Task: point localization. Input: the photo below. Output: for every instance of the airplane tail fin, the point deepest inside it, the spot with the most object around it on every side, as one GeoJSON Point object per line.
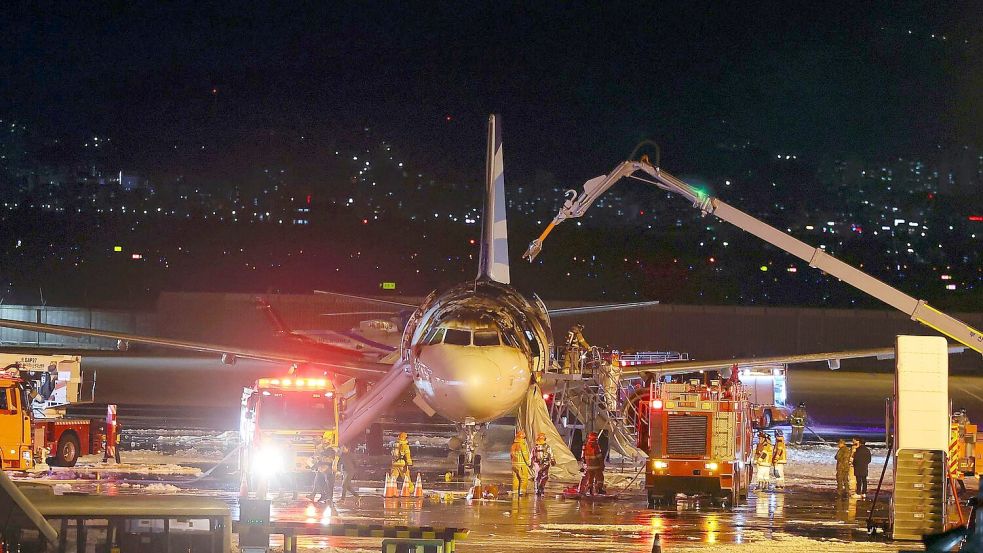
{"type": "Point", "coordinates": [280, 328]}
{"type": "Point", "coordinates": [494, 258]}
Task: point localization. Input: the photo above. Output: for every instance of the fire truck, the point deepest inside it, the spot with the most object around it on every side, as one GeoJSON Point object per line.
{"type": "Point", "coordinates": [698, 440]}
{"type": "Point", "coordinates": [34, 391]}
{"type": "Point", "coordinates": [281, 422]}
{"type": "Point", "coordinates": [767, 388]}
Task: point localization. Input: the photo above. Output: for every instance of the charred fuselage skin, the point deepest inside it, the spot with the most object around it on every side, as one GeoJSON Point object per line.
{"type": "Point", "coordinates": [475, 350]}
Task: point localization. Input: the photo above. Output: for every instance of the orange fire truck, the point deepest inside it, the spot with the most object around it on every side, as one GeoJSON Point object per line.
{"type": "Point", "coordinates": [698, 439]}
{"type": "Point", "coordinates": [33, 388]}
{"type": "Point", "coordinates": [281, 422]}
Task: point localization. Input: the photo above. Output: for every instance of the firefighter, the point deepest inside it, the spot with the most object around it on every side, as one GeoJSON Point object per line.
{"type": "Point", "coordinates": [843, 454]}
{"type": "Point", "coordinates": [798, 423]}
{"type": "Point", "coordinates": [519, 454]}
{"type": "Point", "coordinates": [762, 461]}
{"type": "Point", "coordinates": [346, 462]}
{"type": "Point", "coordinates": [324, 463]}
{"type": "Point", "coordinates": [575, 345]}
{"type": "Point", "coordinates": [402, 460]}
{"type": "Point", "coordinates": [542, 460]}
{"type": "Point", "coordinates": [779, 459]}
{"type": "Point", "coordinates": [593, 456]}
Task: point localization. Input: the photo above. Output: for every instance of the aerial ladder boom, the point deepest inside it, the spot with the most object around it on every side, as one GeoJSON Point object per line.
{"type": "Point", "coordinates": [576, 205]}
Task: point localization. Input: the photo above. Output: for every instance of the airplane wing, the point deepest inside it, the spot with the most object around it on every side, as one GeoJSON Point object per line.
{"type": "Point", "coordinates": [363, 298]}
{"type": "Point", "coordinates": [560, 312]}
{"type": "Point", "coordinates": [351, 367]}
{"type": "Point", "coordinates": [833, 358]}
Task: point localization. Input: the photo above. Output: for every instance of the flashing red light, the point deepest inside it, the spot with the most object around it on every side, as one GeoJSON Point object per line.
{"type": "Point", "coordinates": [977, 218]}
{"type": "Point", "coordinates": [713, 260]}
{"type": "Point", "coordinates": [931, 196]}
{"type": "Point", "coordinates": [365, 221]}
{"type": "Point", "coordinates": [472, 241]}
{"type": "Point", "coordinates": [308, 199]}
{"type": "Point", "coordinates": [448, 118]}
{"type": "Point", "coordinates": [656, 404]}
{"type": "Point", "coordinates": [546, 397]}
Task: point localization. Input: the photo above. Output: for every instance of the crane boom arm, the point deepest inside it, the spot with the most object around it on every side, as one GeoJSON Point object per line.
{"type": "Point", "coordinates": [917, 309]}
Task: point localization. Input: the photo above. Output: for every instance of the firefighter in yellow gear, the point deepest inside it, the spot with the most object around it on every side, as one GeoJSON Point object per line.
{"type": "Point", "coordinates": [576, 344]}
{"type": "Point", "coordinates": [779, 459]}
{"type": "Point", "coordinates": [520, 464]}
{"type": "Point", "coordinates": [402, 461]}
{"type": "Point", "coordinates": [762, 461]}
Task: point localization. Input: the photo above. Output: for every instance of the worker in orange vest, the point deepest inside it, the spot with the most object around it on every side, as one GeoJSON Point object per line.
{"type": "Point", "coordinates": [519, 454]}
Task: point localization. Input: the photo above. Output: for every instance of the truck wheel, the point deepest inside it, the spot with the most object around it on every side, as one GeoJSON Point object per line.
{"type": "Point", "coordinates": [460, 465]}
{"type": "Point", "coordinates": [766, 419]}
{"type": "Point", "coordinates": [651, 498]}
{"type": "Point", "coordinates": [68, 450]}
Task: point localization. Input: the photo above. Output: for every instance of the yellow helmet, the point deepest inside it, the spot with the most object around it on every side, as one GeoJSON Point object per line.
{"type": "Point", "coordinates": [541, 438]}
{"type": "Point", "coordinates": [328, 436]}
{"type": "Point", "coordinates": [520, 435]}
{"type": "Point", "coordinates": [402, 436]}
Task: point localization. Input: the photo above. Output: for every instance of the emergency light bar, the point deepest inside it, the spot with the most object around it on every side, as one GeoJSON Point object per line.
{"type": "Point", "coordinates": [296, 383]}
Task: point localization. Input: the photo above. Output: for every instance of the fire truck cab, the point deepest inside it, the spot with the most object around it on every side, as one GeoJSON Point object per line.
{"type": "Point", "coordinates": [698, 439]}
{"type": "Point", "coordinates": [34, 390]}
{"type": "Point", "coordinates": [282, 420]}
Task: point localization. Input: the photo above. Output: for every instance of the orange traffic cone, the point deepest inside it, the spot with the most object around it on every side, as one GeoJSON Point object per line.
{"type": "Point", "coordinates": [390, 486]}
{"type": "Point", "coordinates": [418, 490]}
{"type": "Point", "coordinates": [475, 491]}
{"type": "Point", "coordinates": [405, 490]}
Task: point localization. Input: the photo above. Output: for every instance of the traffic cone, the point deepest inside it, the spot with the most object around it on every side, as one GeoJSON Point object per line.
{"type": "Point", "coordinates": [405, 490]}
{"type": "Point", "coordinates": [475, 491]}
{"type": "Point", "coordinates": [418, 490]}
{"type": "Point", "coordinates": [390, 486]}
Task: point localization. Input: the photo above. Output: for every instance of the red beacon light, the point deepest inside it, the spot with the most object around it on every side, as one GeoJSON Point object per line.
{"type": "Point", "coordinates": [656, 404]}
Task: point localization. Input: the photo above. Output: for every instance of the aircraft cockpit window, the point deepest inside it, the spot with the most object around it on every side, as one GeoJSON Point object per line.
{"type": "Point", "coordinates": [434, 336]}
{"type": "Point", "coordinates": [457, 337]}
{"type": "Point", "coordinates": [486, 338]}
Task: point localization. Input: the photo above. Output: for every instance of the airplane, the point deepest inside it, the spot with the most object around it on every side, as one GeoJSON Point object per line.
{"type": "Point", "coordinates": [373, 339]}
{"type": "Point", "coordinates": [473, 353]}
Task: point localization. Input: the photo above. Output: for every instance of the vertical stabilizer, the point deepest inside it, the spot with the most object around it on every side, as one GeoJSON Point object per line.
{"type": "Point", "coordinates": [494, 259]}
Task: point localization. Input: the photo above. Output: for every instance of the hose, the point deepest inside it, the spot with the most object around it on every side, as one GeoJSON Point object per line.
{"type": "Point", "coordinates": [198, 478]}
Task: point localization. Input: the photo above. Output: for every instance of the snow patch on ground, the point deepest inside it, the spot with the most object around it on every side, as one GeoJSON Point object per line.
{"type": "Point", "coordinates": [814, 466]}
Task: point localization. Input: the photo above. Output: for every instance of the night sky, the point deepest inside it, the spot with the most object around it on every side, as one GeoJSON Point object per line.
{"type": "Point", "coordinates": [577, 86]}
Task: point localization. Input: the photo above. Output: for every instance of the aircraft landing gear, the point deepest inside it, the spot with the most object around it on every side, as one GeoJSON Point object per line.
{"type": "Point", "coordinates": [468, 461]}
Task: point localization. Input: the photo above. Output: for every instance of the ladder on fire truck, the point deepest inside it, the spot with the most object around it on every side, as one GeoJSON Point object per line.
{"type": "Point", "coordinates": [594, 397]}
{"type": "Point", "coordinates": [917, 309]}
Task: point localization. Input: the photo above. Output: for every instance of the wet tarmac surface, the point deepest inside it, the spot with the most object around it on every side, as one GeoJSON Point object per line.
{"type": "Point", "coordinates": [802, 518]}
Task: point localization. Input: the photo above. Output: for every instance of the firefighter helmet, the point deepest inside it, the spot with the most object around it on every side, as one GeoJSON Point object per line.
{"type": "Point", "coordinates": [541, 438]}
{"type": "Point", "coordinates": [402, 436]}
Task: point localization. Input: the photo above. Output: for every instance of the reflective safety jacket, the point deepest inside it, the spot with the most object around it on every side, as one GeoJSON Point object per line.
{"type": "Point", "coordinates": [780, 456]}
{"type": "Point", "coordinates": [593, 456]}
{"type": "Point", "coordinates": [542, 455]}
{"type": "Point", "coordinates": [576, 338]}
{"type": "Point", "coordinates": [799, 416]}
{"type": "Point", "coordinates": [519, 453]}
{"type": "Point", "coordinates": [764, 456]}
{"type": "Point", "coordinates": [401, 454]}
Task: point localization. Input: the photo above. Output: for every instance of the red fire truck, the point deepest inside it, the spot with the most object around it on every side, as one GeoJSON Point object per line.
{"type": "Point", "coordinates": [698, 439]}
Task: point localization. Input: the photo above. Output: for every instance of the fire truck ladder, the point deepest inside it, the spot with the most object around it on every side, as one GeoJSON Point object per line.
{"type": "Point", "coordinates": [917, 309]}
